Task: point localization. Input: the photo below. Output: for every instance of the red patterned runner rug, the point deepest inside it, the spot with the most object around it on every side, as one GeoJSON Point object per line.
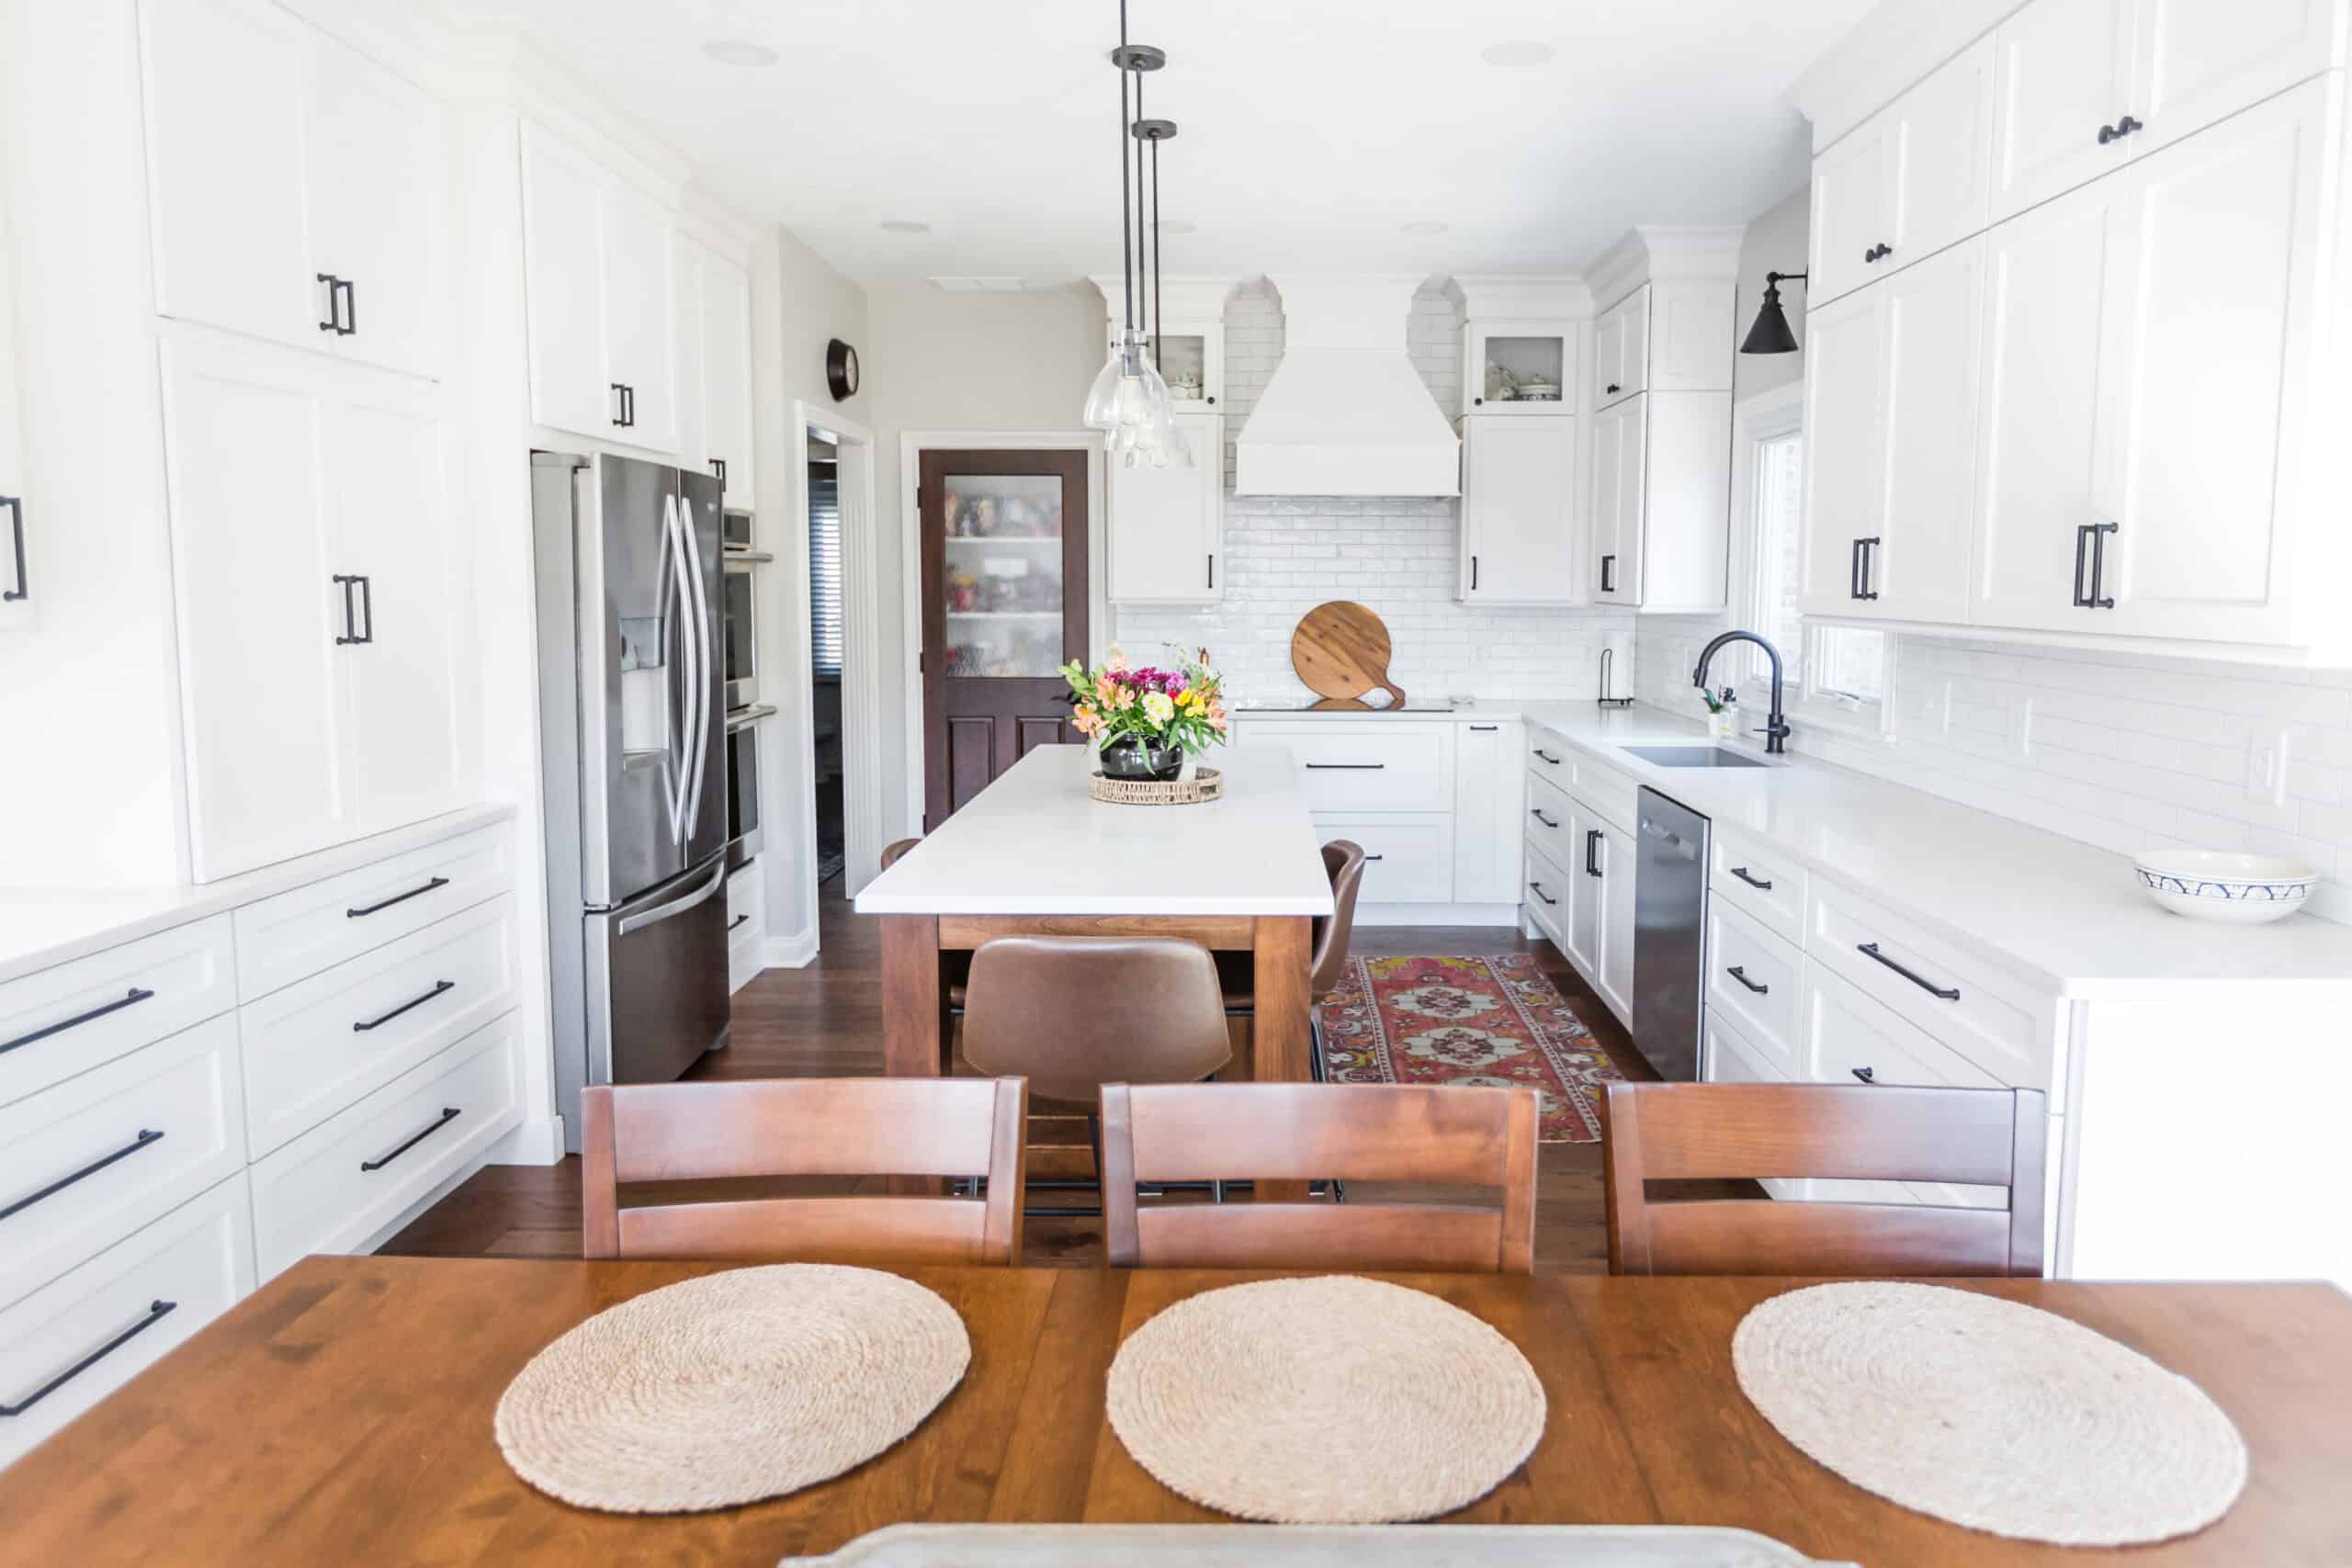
{"type": "Point", "coordinates": [1468, 1020]}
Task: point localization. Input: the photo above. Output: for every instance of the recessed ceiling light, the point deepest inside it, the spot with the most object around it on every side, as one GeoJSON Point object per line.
{"type": "Point", "coordinates": [1425, 226]}
{"type": "Point", "coordinates": [739, 51]}
{"type": "Point", "coordinates": [1177, 226]}
{"type": "Point", "coordinates": [905, 226]}
{"type": "Point", "coordinates": [1517, 51]}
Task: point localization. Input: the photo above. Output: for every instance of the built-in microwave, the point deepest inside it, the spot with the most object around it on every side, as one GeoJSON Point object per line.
{"type": "Point", "coordinates": [743, 639]}
{"type": "Point", "coordinates": [735, 529]}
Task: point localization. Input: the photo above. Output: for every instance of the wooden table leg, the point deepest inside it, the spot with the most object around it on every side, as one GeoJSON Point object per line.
{"type": "Point", "coordinates": [1280, 1033]}
{"type": "Point", "coordinates": [911, 1015]}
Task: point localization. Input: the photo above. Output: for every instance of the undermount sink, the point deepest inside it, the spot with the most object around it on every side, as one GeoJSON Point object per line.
{"type": "Point", "coordinates": [1695, 757]}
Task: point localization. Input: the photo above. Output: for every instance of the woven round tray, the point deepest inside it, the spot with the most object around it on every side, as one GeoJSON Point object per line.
{"type": "Point", "coordinates": [1989, 1414]}
{"type": "Point", "coordinates": [730, 1388]}
{"type": "Point", "coordinates": [1324, 1401]}
{"type": "Point", "coordinates": [1202, 784]}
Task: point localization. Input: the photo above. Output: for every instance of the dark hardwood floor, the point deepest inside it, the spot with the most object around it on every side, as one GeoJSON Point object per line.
{"type": "Point", "coordinates": [826, 1020]}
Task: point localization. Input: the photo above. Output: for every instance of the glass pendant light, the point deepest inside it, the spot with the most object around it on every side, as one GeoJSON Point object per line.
{"type": "Point", "coordinates": [1128, 400]}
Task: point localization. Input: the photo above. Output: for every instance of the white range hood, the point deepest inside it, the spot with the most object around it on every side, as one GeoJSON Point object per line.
{"type": "Point", "coordinates": [1346, 414]}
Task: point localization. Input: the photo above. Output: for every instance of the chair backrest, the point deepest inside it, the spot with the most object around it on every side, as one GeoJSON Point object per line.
{"type": "Point", "coordinates": [1464, 1136]}
{"type": "Point", "coordinates": [1655, 1131]}
{"type": "Point", "coordinates": [1072, 1013]}
{"type": "Point", "coordinates": [1343, 860]}
{"type": "Point", "coordinates": [695, 1132]}
{"type": "Point", "coordinates": [891, 856]}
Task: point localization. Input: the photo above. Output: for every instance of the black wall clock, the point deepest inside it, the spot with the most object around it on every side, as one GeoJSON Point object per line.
{"type": "Point", "coordinates": [841, 370]}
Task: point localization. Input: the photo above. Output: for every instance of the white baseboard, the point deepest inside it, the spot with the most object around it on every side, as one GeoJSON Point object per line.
{"type": "Point", "coordinates": [792, 951]}
{"type": "Point", "coordinates": [535, 1140]}
{"type": "Point", "coordinates": [1436, 914]}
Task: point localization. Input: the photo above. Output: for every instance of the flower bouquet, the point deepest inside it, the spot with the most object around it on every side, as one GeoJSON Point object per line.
{"type": "Point", "coordinates": [1146, 720]}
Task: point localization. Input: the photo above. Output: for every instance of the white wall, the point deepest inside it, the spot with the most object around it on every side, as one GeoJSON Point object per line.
{"type": "Point", "coordinates": [1775, 242]}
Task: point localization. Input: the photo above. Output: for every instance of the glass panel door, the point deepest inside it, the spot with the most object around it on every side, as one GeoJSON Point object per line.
{"type": "Point", "coordinates": [1003, 582]}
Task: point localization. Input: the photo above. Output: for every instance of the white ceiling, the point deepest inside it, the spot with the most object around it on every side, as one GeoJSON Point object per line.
{"type": "Point", "coordinates": [1310, 133]}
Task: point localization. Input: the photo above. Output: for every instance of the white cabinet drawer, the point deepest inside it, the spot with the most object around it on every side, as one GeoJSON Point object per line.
{"type": "Point", "coordinates": [320, 1043]}
{"type": "Point", "coordinates": [129, 1306]}
{"type": "Point", "coordinates": [1408, 858]}
{"type": "Point", "coordinates": [1547, 896]}
{"type": "Point", "coordinates": [1375, 764]}
{"type": "Point", "coordinates": [1760, 881]}
{"type": "Point", "coordinates": [1732, 1058]}
{"type": "Point", "coordinates": [72, 1017]}
{"type": "Point", "coordinates": [87, 1163]}
{"type": "Point", "coordinates": [1551, 822]}
{"type": "Point", "coordinates": [281, 939]}
{"type": "Point", "coordinates": [1754, 978]}
{"type": "Point", "coordinates": [1550, 758]}
{"type": "Point", "coordinates": [1990, 1019]}
{"type": "Point", "coordinates": [335, 1187]}
{"type": "Point", "coordinates": [743, 897]}
{"type": "Point", "coordinates": [1609, 793]}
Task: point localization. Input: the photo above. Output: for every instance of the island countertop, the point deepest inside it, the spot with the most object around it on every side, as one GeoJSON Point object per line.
{"type": "Point", "coordinates": [1034, 842]}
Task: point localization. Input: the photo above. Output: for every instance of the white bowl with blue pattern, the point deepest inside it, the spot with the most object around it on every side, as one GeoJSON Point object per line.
{"type": "Point", "coordinates": [2231, 889]}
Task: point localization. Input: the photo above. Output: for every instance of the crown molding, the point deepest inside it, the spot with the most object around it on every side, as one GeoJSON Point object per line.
{"type": "Point", "coordinates": [1183, 298]}
{"type": "Point", "coordinates": [1652, 252]}
{"type": "Point", "coordinates": [1557, 296]}
{"type": "Point", "coordinates": [1896, 45]}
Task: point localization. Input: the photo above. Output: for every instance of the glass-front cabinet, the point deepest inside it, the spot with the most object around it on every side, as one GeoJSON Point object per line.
{"type": "Point", "coordinates": [1522, 343]}
{"type": "Point", "coordinates": [1189, 339]}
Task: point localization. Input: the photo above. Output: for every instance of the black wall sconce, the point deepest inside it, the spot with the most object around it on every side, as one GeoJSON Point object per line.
{"type": "Point", "coordinates": [1770, 334]}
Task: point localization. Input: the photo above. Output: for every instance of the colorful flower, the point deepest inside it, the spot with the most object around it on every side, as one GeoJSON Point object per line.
{"type": "Point", "coordinates": [1158, 708]}
{"type": "Point", "coordinates": [1117, 663]}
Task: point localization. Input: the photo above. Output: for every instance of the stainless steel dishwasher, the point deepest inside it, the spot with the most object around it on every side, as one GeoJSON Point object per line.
{"type": "Point", "coordinates": [1669, 934]}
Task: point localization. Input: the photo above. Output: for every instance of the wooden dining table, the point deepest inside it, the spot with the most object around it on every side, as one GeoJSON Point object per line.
{"type": "Point", "coordinates": [342, 1415]}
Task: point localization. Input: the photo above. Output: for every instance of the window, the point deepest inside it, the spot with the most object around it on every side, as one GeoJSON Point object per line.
{"type": "Point", "coordinates": [824, 560]}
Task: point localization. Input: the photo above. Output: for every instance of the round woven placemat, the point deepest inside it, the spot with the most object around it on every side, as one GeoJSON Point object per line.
{"type": "Point", "coordinates": [730, 1388]}
{"type": "Point", "coordinates": [1325, 1401]}
{"type": "Point", "coordinates": [1989, 1414]}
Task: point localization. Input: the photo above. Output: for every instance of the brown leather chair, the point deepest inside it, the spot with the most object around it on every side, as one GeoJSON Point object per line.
{"type": "Point", "coordinates": [1343, 861]}
{"type": "Point", "coordinates": [1071, 1014]}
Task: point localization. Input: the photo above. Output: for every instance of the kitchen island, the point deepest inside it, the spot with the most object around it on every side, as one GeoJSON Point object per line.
{"type": "Point", "coordinates": [1034, 854]}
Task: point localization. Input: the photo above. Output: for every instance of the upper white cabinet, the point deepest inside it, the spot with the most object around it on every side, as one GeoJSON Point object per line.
{"type": "Point", "coordinates": [1519, 368]}
{"type": "Point", "coordinates": [1621, 349]}
{"type": "Point", "coordinates": [1167, 526]}
{"type": "Point", "coordinates": [1661, 501]}
{"type": "Point", "coordinates": [600, 258]}
{"type": "Point", "coordinates": [319, 616]}
{"type": "Point", "coordinates": [714, 374]}
{"type": "Point", "coordinates": [1519, 496]}
{"type": "Point", "coordinates": [1185, 323]}
{"type": "Point", "coordinates": [1619, 434]}
{"type": "Point", "coordinates": [2084, 87]}
{"type": "Point", "coordinates": [295, 187]}
{"type": "Point", "coordinates": [1908, 182]}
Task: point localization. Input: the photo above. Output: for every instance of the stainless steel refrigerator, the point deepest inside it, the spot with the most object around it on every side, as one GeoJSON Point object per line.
{"type": "Point", "coordinates": [633, 771]}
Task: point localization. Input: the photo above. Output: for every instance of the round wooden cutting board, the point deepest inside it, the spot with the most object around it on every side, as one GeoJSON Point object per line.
{"type": "Point", "coordinates": [1341, 651]}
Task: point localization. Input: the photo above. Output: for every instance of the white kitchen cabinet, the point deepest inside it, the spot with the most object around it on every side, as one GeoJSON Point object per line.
{"type": "Point", "coordinates": [599, 263]}
{"type": "Point", "coordinates": [1519, 492]}
{"type": "Point", "coordinates": [18, 607]}
{"type": "Point", "coordinates": [1586, 937]}
{"type": "Point", "coordinates": [1489, 806]}
{"type": "Point", "coordinates": [318, 616]}
{"type": "Point", "coordinates": [1621, 349]}
{"type": "Point", "coordinates": [1892, 386]}
{"type": "Point", "coordinates": [1186, 318]}
{"type": "Point", "coordinates": [714, 367]}
{"type": "Point", "coordinates": [1690, 335]}
{"type": "Point", "coordinates": [295, 187]}
{"type": "Point", "coordinates": [1167, 526]}
{"type": "Point", "coordinates": [1905, 183]}
{"type": "Point", "coordinates": [2194, 63]}
{"type": "Point", "coordinates": [1614, 860]}
{"type": "Point", "coordinates": [1619, 433]}
{"type": "Point", "coordinates": [1661, 501]}
{"type": "Point", "coordinates": [1518, 368]}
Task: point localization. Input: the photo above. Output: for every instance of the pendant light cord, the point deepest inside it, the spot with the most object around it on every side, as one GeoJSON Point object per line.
{"type": "Point", "coordinates": [1127, 250]}
{"type": "Point", "coordinates": [1143, 256]}
{"type": "Point", "coordinates": [1159, 317]}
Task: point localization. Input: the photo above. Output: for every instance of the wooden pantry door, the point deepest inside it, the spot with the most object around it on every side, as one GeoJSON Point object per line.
{"type": "Point", "coordinates": [1004, 597]}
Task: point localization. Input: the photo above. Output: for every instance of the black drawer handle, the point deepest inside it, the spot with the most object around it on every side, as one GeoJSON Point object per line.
{"type": "Point", "coordinates": [1868, 1075]}
{"type": "Point", "coordinates": [1869, 948]}
{"type": "Point", "coordinates": [737, 922]}
{"type": "Point", "coordinates": [1345, 767]}
{"type": "Point", "coordinates": [156, 1313]}
{"type": "Point", "coordinates": [1740, 975]}
{"type": "Point", "coordinates": [17, 527]}
{"type": "Point", "coordinates": [1547, 756]}
{"type": "Point", "coordinates": [1613, 387]}
{"type": "Point", "coordinates": [718, 469]}
{"type": "Point", "coordinates": [398, 898]}
{"type": "Point", "coordinates": [1537, 813]}
{"type": "Point", "coordinates": [1541, 893]}
{"type": "Point", "coordinates": [136, 995]}
{"type": "Point", "coordinates": [448, 1114]}
{"type": "Point", "coordinates": [1484, 728]}
{"type": "Point", "coordinates": [1761, 883]}
{"type": "Point", "coordinates": [2119, 131]}
{"type": "Point", "coordinates": [1609, 574]}
{"type": "Point", "coordinates": [1369, 859]}
{"type": "Point", "coordinates": [377, 1022]}
{"type": "Point", "coordinates": [1591, 848]}
{"type": "Point", "coordinates": [146, 1136]}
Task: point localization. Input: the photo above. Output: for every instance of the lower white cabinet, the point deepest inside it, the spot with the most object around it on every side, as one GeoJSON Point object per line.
{"type": "Point", "coordinates": [1489, 788]}
{"type": "Point", "coordinates": [747, 927]}
{"type": "Point", "coordinates": [1580, 866]}
{"type": "Point", "coordinates": [323, 625]}
{"type": "Point", "coordinates": [131, 1305]}
{"type": "Point", "coordinates": [1519, 496]}
{"type": "Point", "coordinates": [76, 1017]}
{"type": "Point", "coordinates": [1613, 866]}
{"type": "Point", "coordinates": [1409, 856]}
{"type": "Point", "coordinates": [1166, 527]}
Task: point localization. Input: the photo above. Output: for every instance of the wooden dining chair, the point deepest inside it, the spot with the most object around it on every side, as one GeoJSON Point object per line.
{"type": "Point", "coordinates": [698, 1132]}
{"type": "Point", "coordinates": [1656, 1131]}
{"type": "Point", "coordinates": [1463, 1136]}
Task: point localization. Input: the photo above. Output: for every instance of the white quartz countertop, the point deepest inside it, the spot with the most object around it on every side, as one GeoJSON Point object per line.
{"type": "Point", "coordinates": [2053, 910]}
{"type": "Point", "coordinates": [1034, 842]}
{"type": "Point", "coordinates": [43, 926]}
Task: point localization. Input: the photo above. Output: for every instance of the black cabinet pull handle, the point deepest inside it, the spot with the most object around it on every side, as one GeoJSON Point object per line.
{"type": "Point", "coordinates": [146, 1136]}
{"type": "Point", "coordinates": [1854, 572]}
{"type": "Point", "coordinates": [719, 466]}
{"type": "Point", "coordinates": [1612, 388]}
{"type": "Point", "coordinates": [1609, 574]}
{"type": "Point", "coordinates": [1547, 756]}
{"type": "Point", "coordinates": [628, 404]}
{"type": "Point", "coordinates": [1740, 975]}
{"type": "Point", "coordinates": [1869, 949]}
{"type": "Point", "coordinates": [334, 323]}
{"type": "Point", "coordinates": [1868, 549]}
{"type": "Point", "coordinates": [1345, 767]}
{"type": "Point", "coordinates": [2107, 133]}
{"type": "Point", "coordinates": [350, 292]}
{"type": "Point", "coordinates": [1591, 848]}
{"type": "Point", "coordinates": [350, 624]}
{"type": "Point", "coordinates": [1538, 815]}
{"type": "Point", "coordinates": [2090, 550]}
{"type": "Point", "coordinates": [156, 1313]}
{"type": "Point", "coordinates": [2119, 131]}
{"type": "Point", "coordinates": [379, 1022]}
{"type": "Point", "coordinates": [1369, 859]}
{"type": "Point", "coordinates": [1538, 888]}
{"type": "Point", "coordinates": [367, 609]}
{"type": "Point", "coordinates": [448, 1114]}
{"type": "Point", "coordinates": [620, 404]}
{"type": "Point", "coordinates": [2099, 600]}
{"type": "Point", "coordinates": [1761, 883]}
{"type": "Point", "coordinates": [135, 995]}
{"type": "Point", "coordinates": [737, 922]}
{"type": "Point", "coordinates": [398, 898]}
{"type": "Point", "coordinates": [1485, 729]}
{"type": "Point", "coordinates": [17, 527]}
{"type": "Point", "coordinates": [1473, 574]}
{"type": "Point", "coordinates": [1868, 1075]}
{"type": "Point", "coordinates": [2082, 556]}
{"type": "Point", "coordinates": [1212, 570]}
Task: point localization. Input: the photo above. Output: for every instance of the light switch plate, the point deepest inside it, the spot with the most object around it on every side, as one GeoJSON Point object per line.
{"type": "Point", "coordinates": [2266, 768]}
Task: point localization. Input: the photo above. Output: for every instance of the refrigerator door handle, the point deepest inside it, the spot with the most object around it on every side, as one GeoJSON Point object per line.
{"type": "Point", "coordinates": [698, 749]}
{"type": "Point", "coordinates": [674, 777]}
{"type": "Point", "coordinates": [676, 907]}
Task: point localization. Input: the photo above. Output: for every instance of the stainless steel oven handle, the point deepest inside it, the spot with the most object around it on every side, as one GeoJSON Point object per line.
{"type": "Point", "coordinates": [678, 906]}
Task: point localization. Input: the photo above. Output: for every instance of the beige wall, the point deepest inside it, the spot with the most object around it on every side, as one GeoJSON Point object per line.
{"type": "Point", "coordinates": [1776, 241]}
